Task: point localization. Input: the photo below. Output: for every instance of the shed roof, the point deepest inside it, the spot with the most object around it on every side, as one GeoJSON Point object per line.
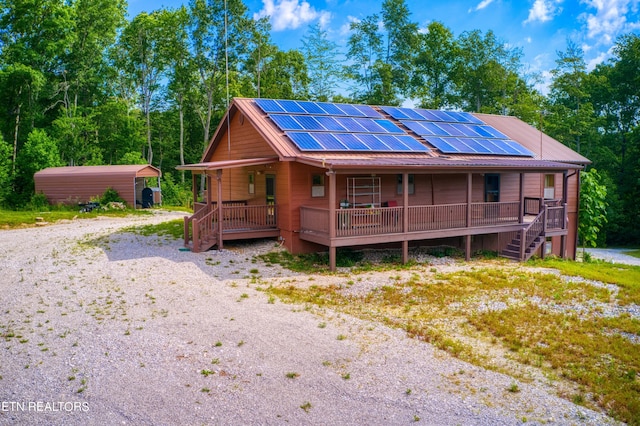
{"type": "Point", "coordinates": [135, 170]}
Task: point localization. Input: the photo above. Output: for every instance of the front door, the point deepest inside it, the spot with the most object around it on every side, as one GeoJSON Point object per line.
{"type": "Point", "coordinates": [271, 199]}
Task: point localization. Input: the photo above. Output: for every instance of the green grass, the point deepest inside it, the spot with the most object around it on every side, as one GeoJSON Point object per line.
{"type": "Point", "coordinates": [531, 321]}
{"type": "Point", "coordinates": [634, 253]}
{"type": "Point", "coordinates": [10, 219]}
{"type": "Point", "coordinates": [627, 277]}
{"type": "Point", "coordinates": [172, 228]}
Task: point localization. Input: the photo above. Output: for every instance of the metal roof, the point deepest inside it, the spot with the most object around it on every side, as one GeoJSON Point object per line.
{"type": "Point", "coordinates": [142, 170]}
{"type": "Point", "coordinates": [550, 154]}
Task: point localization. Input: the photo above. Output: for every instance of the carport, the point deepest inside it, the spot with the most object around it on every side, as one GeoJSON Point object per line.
{"type": "Point", "coordinates": [80, 184]}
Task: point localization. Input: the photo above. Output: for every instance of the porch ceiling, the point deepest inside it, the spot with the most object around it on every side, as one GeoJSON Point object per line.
{"type": "Point", "coordinates": [229, 164]}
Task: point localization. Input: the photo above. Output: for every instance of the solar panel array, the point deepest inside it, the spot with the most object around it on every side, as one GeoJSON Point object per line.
{"type": "Point", "coordinates": [325, 126]}
{"type": "Point", "coordinates": [454, 132]}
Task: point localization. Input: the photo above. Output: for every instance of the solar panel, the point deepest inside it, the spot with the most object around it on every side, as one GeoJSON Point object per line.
{"type": "Point", "coordinates": [311, 107]}
{"type": "Point", "coordinates": [352, 142]}
{"type": "Point", "coordinates": [305, 141]}
{"type": "Point", "coordinates": [374, 143]}
{"type": "Point", "coordinates": [291, 106]}
{"type": "Point", "coordinates": [269, 105]}
{"type": "Point", "coordinates": [326, 126]}
{"type": "Point", "coordinates": [286, 122]}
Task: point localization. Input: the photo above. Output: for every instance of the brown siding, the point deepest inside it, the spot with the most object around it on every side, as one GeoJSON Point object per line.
{"type": "Point", "coordinates": [72, 185]}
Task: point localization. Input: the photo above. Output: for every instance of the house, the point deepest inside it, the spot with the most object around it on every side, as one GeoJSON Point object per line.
{"type": "Point", "coordinates": [81, 184]}
{"type": "Point", "coordinates": [319, 176]}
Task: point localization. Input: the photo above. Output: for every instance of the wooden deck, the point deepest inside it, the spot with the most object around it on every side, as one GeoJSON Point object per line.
{"type": "Point", "coordinates": [357, 226]}
{"type": "Point", "coordinates": [236, 220]}
{"type": "Point", "coordinates": [361, 226]}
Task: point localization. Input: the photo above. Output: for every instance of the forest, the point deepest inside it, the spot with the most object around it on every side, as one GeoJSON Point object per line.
{"type": "Point", "coordinates": [81, 83]}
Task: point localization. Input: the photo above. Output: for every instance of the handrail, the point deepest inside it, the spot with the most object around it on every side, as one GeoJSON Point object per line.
{"type": "Point", "coordinates": [532, 231]}
{"type": "Point", "coordinates": [188, 223]}
{"type": "Point", "coordinates": [203, 228]}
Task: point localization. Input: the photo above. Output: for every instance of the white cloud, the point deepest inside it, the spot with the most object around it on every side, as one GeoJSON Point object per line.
{"type": "Point", "coordinates": [483, 4]}
{"type": "Point", "coordinates": [609, 19]}
{"type": "Point", "coordinates": [591, 64]}
{"type": "Point", "coordinates": [543, 10]}
{"type": "Point", "coordinates": [291, 14]}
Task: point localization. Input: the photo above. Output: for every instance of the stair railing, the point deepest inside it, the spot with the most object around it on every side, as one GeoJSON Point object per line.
{"type": "Point", "coordinates": [202, 227]}
{"type": "Point", "coordinates": [532, 231]}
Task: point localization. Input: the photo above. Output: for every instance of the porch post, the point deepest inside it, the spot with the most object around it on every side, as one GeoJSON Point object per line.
{"type": "Point", "coordinates": [521, 217]}
{"type": "Point", "coordinates": [194, 189]}
{"type": "Point", "coordinates": [563, 237]}
{"type": "Point", "coordinates": [405, 216]}
{"type": "Point", "coordinates": [220, 212]}
{"type": "Point", "coordinates": [467, 237]}
{"type": "Point", "coordinates": [332, 219]}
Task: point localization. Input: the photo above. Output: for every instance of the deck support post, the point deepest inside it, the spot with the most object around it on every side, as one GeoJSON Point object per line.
{"type": "Point", "coordinates": [332, 219]}
{"type": "Point", "coordinates": [405, 216]}
{"type": "Point", "coordinates": [467, 247]}
{"type": "Point", "coordinates": [565, 216]}
{"type": "Point", "coordinates": [521, 195]}
{"type": "Point", "coordinates": [219, 204]}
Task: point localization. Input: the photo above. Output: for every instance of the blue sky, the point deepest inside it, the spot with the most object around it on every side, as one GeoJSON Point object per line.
{"type": "Point", "coordinates": [539, 27]}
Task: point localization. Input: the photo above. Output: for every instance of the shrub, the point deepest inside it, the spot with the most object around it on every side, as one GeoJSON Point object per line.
{"type": "Point", "coordinates": [110, 196]}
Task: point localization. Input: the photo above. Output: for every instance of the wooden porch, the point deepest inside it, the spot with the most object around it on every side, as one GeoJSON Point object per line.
{"type": "Point", "coordinates": [210, 226]}
{"type": "Point", "coordinates": [535, 218]}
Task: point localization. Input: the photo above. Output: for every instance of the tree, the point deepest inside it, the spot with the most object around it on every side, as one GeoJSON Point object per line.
{"type": "Point", "coordinates": [485, 72]}
{"type": "Point", "coordinates": [145, 43]}
{"type": "Point", "coordinates": [181, 75]}
{"type": "Point", "coordinates": [364, 50]}
{"type": "Point", "coordinates": [571, 116]}
{"type": "Point", "coordinates": [39, 152]}
{"type": "Point", "coordinates": [218, 32]}
{"type": "Point", "coordinates": [593, 207]}
{"type": "Point", "coordinates": [432, 82]}
{"type": "Point", "coordinates": [20, 86]}
{"type": "Point", "coordinates": [6, 175]}
{"type": "Point", "coordinates": [323, 64]}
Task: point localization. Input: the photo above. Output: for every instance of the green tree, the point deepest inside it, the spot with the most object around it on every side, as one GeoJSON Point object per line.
{"type": "Point", "coordinates": [432, 82]}
{"type": "Point", "coordinates": [571, 117]}
{"type": "Point", "coordinates": [20, 86]}
{"type": "Point", "coordinates": [486, 72]}
{"type": "Point", "coordinates": [285, 76]}
{"type": "Point", "coordinates": [593, 207]}
{"type": "Point", "coordinates": [6, 175]}
{"type": "Point", "coordinates": [364, 50]}
{"type": "Point", "coordinates": [323, 64]}
{"type": "Point", "coordinates": [39, 152]}
{"type": "Point", "coordinates": [145, 43]}
{"type": "Point", "coordinates": [218, 37]}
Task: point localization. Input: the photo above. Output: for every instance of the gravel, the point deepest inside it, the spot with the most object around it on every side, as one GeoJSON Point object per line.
{"type": "Point", "coordinates": [107, 327]}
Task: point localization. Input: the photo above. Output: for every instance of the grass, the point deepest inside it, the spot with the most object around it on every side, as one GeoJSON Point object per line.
{"type": "Point", "coordinates": [10, 219]}
{"type": "Point", "coordinates": [172, 228]}
{"type": "Point", "coordinates": [527, 316]}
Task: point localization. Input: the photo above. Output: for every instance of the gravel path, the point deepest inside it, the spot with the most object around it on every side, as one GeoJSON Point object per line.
{"type": "Point", "coordinates": [105, 327]}
{"type": "Point", "coordinates": [613, 255]}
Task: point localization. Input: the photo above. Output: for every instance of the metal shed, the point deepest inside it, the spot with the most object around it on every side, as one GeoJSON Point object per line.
{"type": "Point", "coordinates": [79, 184]}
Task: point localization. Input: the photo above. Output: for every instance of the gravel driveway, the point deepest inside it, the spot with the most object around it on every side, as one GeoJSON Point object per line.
{"type": "Point", "coordinates": [105, 327]}
{"type": "Point", "coordinates": [615, 255]}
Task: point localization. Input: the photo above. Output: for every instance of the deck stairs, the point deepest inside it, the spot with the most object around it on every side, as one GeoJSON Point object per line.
{"type": "Point", "coordinates": [513, 249]}
{"type": "Point", "coordinates": [528, 240]}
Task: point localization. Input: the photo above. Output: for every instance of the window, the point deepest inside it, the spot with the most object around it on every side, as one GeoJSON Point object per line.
{"type": "Point", "coordinates": [252, 185]}
{"type": "Point", "coordinates": [317, 185]}
{"type": "Point", "coordinates": [549, 187]}
{"type": "Point", "coordinates": [411, 184]}
{"type": "Point", "coordinates": [491, 188]}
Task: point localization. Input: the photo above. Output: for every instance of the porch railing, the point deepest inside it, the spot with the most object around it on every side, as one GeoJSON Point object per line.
{"type": "Point", "coordinates": [202, 226]}
{"type": "Point", "coordinates": [387, 220]}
